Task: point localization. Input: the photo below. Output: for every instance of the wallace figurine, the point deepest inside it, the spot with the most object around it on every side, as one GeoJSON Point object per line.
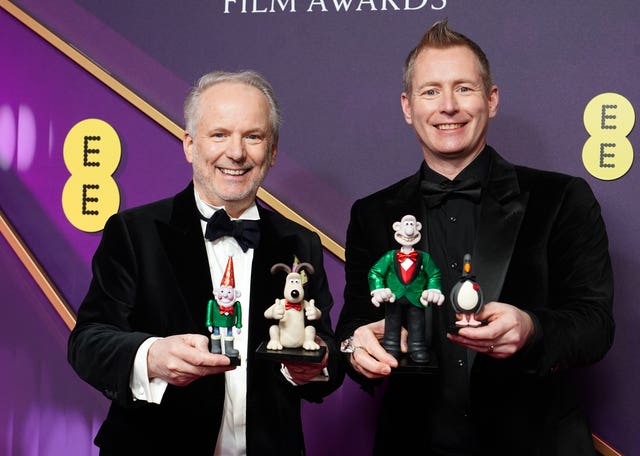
{"type": "Point", "coordinates": [408, 281]}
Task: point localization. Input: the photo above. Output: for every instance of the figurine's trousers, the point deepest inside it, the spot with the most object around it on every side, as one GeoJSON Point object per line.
{"type": "Point", "coordinates": [399, 312]}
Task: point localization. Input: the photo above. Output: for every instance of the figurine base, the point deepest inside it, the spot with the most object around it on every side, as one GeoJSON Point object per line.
{"type": "Point", "coordinates": [233, 360]}
{"type": "Point", "coordinates": [291, 354]}
{"type": "Point", "coordinates": [453, 329]}
{"type": "Point", "coordinates": [407, 366]}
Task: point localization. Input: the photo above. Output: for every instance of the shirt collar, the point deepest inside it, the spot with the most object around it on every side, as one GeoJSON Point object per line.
{"type": "Point", "coordinates": [207, 210]}
{"type": "Point", "coordinates": [478, 168]}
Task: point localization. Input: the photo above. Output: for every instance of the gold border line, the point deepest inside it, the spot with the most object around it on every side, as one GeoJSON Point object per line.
{"type": "Point", "coordinates": [32, 265]}
{"type": "Point", "coordinates": [603, 447]}
{"type": "Point", "coordinates": [36, 271]}
{"type": "Point", "coordinates": [103, 76]}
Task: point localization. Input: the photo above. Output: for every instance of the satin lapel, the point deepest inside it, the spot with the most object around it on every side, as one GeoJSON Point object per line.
{"type": "Point", "coordinates": [263, 257]}
{"type": "Point", "coordinates": [501, 215]}
{"type": "Point", "coordinates": [184, 243]}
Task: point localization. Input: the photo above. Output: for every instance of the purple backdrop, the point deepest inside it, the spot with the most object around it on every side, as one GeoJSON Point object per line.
{"type": "Point", "coordinates": [337, 74]}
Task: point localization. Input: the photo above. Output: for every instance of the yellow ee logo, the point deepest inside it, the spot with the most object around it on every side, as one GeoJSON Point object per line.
{"type": "Point", "coordinates": [608, 154]}
{"type": "Point", "coordinates": [92, 152]}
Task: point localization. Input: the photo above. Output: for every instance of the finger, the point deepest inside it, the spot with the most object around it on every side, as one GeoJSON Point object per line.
{"type": "Point", "coordinates": [404, 335]}
{"type": "Point", "coordinates": [201, 344]}
{"type": "Point", "coordinates": [368, 365]}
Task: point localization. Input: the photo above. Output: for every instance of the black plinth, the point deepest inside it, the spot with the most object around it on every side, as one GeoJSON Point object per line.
{"type": "Point", "coordinates": [291, 354]}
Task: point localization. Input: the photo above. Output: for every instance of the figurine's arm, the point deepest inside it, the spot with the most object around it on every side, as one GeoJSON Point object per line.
{"type": "Point", "coordinates": [276, 311]}
{"type": "Point", "coordinates": [238, 313]}
{"type": "Point", "coordinates": [378, 281]}
{"type": "Point", "coordinates": [433, 293]}
{"type": "Point", "coordinates": [210, 306]}
{"type": "Point", "coordinates": [310, 310]}
{"type": "Point", "coordinates": [382, 295]}
{"type": "Point", "coordinates": [431, 296]}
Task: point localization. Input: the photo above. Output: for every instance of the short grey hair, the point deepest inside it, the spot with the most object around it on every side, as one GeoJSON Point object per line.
{"type": "Point", "coordinates": [249, 77]}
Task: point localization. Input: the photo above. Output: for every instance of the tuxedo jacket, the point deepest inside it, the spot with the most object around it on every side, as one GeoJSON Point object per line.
{"type": "Point", "coordinates": [541, 245]}
{"type": "Point", "coordinates": [151, 278]}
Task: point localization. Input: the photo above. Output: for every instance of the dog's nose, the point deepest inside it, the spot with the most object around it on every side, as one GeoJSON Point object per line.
{"type": "Point", "coordinates": [295, 293]}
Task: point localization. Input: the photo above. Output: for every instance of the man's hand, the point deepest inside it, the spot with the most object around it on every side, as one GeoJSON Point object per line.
{"type": "Point", "coordinates": [509, 330]}
{"type": "Point", "coordinates": [181, 359]}
{"type": "Point", "coordinates": [307, 372]}
{"type": "Point", "coordinates": [369, 357]}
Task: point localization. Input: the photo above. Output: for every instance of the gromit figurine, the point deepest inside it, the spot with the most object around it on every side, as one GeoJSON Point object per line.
{"type": "Point", "coordinates": [291, 332]}
{"type": "Point", "coordinates": [225, 311]}
{"type": "Point", "coordinates": [408, 281]}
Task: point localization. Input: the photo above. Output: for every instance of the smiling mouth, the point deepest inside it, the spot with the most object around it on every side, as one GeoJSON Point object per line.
{"type": "Point", "coordinates": [233, 172]}
{"type": "Point", "coordinates": [405, 238]}
{"type": "Point", "coordinates": [449, 126]}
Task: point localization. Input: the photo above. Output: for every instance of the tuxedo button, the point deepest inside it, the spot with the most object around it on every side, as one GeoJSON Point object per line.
{"type": "Point", "coordinates": [452, 219]}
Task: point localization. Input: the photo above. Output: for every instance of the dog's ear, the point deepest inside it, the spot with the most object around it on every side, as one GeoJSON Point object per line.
{"type": "Point", "coordinates": [280, 267]}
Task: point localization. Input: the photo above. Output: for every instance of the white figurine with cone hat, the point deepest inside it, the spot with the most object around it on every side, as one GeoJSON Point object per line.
{"type": "Point", "coordinates": [225, 311]}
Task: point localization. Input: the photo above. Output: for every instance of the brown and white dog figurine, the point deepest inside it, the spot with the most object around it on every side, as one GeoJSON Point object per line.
{"type": "Point", "coordinates": [290, 311]}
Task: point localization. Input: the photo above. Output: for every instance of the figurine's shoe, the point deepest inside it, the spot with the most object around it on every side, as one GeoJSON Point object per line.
{"type": "Point", "coordinates": [215, 346]}
{"type": "Point", "coordinates": [229, 350]}
{"type": "Point", "coordinates": [420, 356]}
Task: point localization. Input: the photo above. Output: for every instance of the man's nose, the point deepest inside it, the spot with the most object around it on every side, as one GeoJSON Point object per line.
{"type": "Point", "coordinates": [236, 150]}
{"type": "Point", "coordinates": [448, 101]}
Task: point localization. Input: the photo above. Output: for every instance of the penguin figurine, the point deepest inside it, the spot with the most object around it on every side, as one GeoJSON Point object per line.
{"type": "Point", "coordinates": [466, 296]}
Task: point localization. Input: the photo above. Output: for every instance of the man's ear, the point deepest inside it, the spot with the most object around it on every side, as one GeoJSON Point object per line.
{"type": "Point", "coordinates": [274, 154]}
{"type": "Point", "coordinates": [494, 100]}
{"type": "Point", "coordinates": [187, 146]}
{"type": "Point", "coordinates": [405, 102]}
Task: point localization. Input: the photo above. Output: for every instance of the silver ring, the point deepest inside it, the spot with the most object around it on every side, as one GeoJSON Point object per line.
{"type": "Point", "coordinates": [491, 347]}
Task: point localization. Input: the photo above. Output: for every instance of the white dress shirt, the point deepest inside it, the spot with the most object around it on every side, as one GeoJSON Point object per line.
{"type": "Point", "coordinates": [232, 435]}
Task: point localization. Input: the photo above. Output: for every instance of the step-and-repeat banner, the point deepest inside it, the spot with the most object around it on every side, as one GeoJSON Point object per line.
{"type": "Point", "coordinates": [566, 71]}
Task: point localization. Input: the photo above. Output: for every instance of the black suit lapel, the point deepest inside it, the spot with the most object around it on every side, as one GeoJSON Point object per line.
{"type": "Point", "coordinates": [183, 241]}
{"type": "Point", "coordinates": [503, 208]}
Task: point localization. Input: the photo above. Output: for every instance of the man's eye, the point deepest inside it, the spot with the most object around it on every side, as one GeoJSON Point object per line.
{"type": "Point", "coordinates": [254, 139]}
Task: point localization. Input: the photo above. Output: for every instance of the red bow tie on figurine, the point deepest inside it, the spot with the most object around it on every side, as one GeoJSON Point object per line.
{"type": "Point", "coordinates": [413, 255]}
{"type": "Point", "coordinates": [293, 305]}
{"type": "Point", "coordinates": [226, 310]}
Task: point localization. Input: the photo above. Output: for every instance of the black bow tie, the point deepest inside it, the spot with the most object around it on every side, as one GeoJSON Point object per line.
{"type": "Point", "coordinates": [434, 194]}
{"type": "Point", "coordinates": [245, 232]}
